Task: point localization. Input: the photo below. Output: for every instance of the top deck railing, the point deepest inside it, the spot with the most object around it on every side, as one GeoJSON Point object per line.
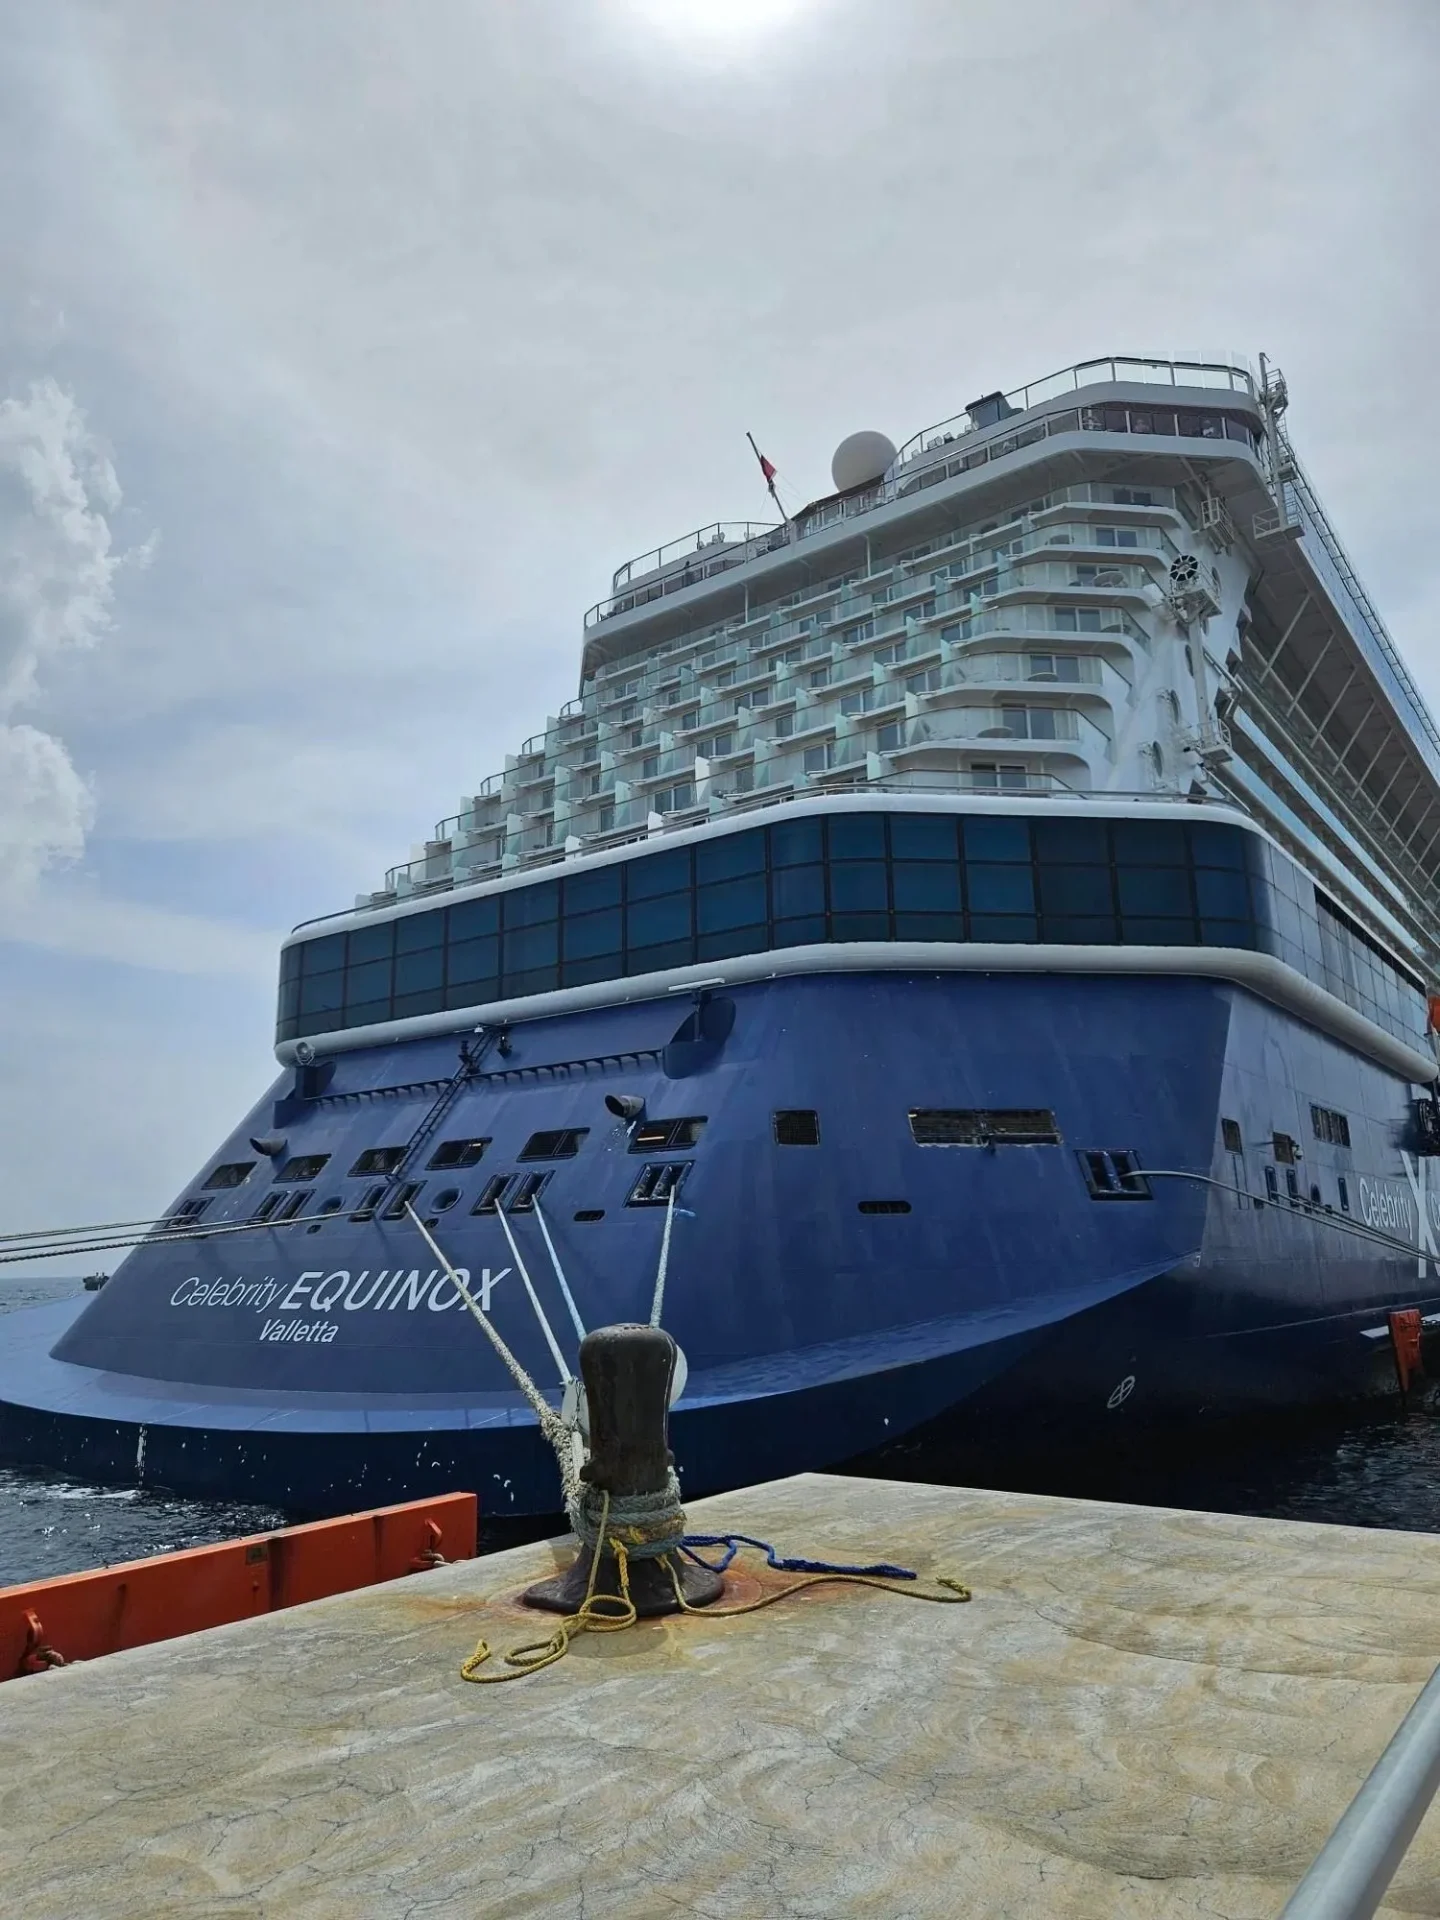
{"type": "Point", "coordinates": [725, 545]}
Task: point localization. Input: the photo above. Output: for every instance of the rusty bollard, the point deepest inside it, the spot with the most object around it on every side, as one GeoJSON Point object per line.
{"type": "Point", "coordinates": [627, 1372]}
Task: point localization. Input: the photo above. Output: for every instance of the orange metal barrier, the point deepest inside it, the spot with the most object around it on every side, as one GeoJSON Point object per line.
{"type": "Point", "coordinates": [79, 1616]}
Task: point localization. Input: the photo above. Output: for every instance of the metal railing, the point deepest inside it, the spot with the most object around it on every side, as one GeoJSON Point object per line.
{"type": "Point", "coordinates": [1097, 418]}
{"type": "Point", "coordinates": [1357, 1863]}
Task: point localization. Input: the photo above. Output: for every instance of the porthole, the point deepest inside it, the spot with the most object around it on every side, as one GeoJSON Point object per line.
{"type": "Point", "coordinates": [444, 1199]}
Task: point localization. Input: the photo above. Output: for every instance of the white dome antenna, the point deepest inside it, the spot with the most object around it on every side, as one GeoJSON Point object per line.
{"type": "Point", "coordinates": [861, 458]}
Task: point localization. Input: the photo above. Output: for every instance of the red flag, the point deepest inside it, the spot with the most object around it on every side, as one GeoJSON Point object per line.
{"type": "Point", "coordinates": [768, 469]}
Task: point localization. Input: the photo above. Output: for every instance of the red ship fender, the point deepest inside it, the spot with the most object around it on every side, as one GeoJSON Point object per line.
{"type": "Point", "coordinates": [1405, 1339]}
{"type": "Point", "coordinates": [81, 1616]}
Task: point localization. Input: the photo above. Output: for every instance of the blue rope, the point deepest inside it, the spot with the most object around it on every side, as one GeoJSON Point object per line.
{"type": "Point", "coordinates": [732, 1543]}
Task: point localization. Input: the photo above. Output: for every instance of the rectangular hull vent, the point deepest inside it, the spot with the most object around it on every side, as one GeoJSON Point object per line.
{"type": "Point", "coordinates": [984, 1127]}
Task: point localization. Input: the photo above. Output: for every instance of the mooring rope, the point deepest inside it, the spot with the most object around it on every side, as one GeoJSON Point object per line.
{"type": "Point", "coordinates": [659, 1297]}
{"type": "Point", "coordinates": [575, 1320]}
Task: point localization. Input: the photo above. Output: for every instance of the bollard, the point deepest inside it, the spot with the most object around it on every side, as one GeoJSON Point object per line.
{"type": "Point", "coordinates": [627, 1373]}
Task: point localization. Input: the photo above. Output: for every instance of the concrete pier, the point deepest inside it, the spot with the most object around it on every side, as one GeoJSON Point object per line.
{"type": "Point", "coordinates": [1141, 1714]}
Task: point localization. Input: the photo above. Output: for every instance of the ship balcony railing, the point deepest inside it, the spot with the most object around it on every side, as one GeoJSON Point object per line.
{"type": "Point", "coordinates": [1060, 670]}
{"type": "Point", "coordinates": [1019, 724]}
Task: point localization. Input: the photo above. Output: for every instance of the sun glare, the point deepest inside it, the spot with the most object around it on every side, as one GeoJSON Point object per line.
{"type": "Point", "coordinates": [715, 24]}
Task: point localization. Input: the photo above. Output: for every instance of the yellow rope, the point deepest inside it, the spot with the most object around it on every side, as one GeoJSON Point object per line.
{"type": "Point", "coordinates": [534, 1655]}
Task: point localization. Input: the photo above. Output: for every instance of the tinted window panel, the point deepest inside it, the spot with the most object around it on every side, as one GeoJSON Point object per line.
{"type": "Point", "coordinates": [1072, 841]}
{"type": "Point", "coordinates": [589, 891]}
{"type": "Point", "coordinates": [474, 959]}
{"type": "Point", "coordinates": [1222, 895]}
{"type": "Point", "coordinates": [857, 836]}
{"type": "Point", "coordinates": [673, 953]}
{"type": "Point", "coordinates": [370, 982]}
{"type": "Point", "coordinates": [737, 853]}
{"type": "Point", "coordinates": [1080, 929]}
{"type": "Point", "coordinates": [1159, 933]}
{"type": "Point", "coordinates": [922, 836]}
{"type": "Point", "coordinates": [991, 839]}
{"type": "Point", "coordinates": [323, 956]}
{"type": "Point", "coordinates": [409, 1004]}
{"type": "Point", "coordinates": [468, 918]}
{"type": "Point", "coordinates": [721, 945]}
{"type": "Point", "coordinates": [581, 973]}
{"type": "Point", "coordinates": [368, 1015]}
{"type": "Point", "coordinates": [858, 886]}
{"type": "Point", "coordinates": [290, 963]}
{"type": "Point", "coordinates": [414, 971]}
{"type": "Point", "coordinates": [289, 999]}
{"type": "Point", "coordinates": [1155, 890]}
{"type": "Point", "coordinates": [587, 934]}
{"type": "Point", "coordinates": [372, 943]}
{"type": "Point", "coordinates": [658, 873]}
{"type": "Point", "coordinates": [419, 931]}
{"type": "Point", "coordinates": [859, 926]}
{"type": "Point", "coordinates": [1002, 890]}
{"type": "Point", "coordinates": [731, 903]}
{"type": "Point", "coordinates": [1214, 846]}
{"type": "Point", "coordinates": [532, 906]}
{"type": "Point", "coordinates": [1076, 890]}
{"type": "Point", "coordinates": [650, 921]}
{"type": "Point", "coordinates": [1227, 933]}
{"type": "Point", "coordinates": [929, 926]}
{"type": "Point", "coordinates": [527, 947]}
{"type": "Point", "coordinates": [798, 890]}
{"type": "Point", "coordinates": [795, 842]}
{"type": "Point", "coordinates": [997, 926]}
{"type": "Point", "coordinates": [928, 888]}
{"type": "Point", "coordinates": [323, 993]}
{"type": "Point", "coordinates": [1149, 843]}
{"type": "Point", "coordinates": [801, 932]}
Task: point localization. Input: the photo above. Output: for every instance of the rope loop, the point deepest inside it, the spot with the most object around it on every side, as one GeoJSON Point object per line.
{"type": "Point", "coordinates": [650, 1524]}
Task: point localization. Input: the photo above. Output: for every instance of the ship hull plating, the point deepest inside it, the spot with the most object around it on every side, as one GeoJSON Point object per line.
{"type": "Point", "coordinates": [830, 1296]}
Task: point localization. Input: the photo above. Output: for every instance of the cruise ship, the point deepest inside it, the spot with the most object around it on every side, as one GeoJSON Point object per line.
{"type": "Point", "coordinates": [964, 953]}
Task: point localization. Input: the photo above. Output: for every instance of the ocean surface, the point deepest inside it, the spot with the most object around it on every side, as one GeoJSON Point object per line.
{"type": "Point", "coordinates": [1375, 1470]}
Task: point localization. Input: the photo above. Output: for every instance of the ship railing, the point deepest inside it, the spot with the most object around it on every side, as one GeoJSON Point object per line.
{"type": "Point", "coordinates": [1187, 424]}
{"type": "Point", "coordinates": [409, 881]}
{"type": "Point", "coordinates": [719, 535]}
{"type": "Point", "coordinates": [1353, 1869]}
{"type": "Point", "coordinates": [1220, 375]}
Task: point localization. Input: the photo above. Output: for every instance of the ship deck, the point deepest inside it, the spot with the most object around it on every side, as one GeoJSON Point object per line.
{"type": "Point", "coordinates": [1141, 1713]}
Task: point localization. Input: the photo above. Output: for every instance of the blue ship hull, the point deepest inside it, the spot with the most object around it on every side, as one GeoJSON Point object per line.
{"type": "Point", "coordinates": [330, 1365]}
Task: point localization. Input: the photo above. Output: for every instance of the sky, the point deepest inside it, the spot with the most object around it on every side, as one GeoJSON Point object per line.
{"type": "Point", "coordinates": [346, 349]}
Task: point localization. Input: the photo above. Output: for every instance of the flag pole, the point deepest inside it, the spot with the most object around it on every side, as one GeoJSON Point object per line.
{"type": "Point", "coordinates": [769, 472]}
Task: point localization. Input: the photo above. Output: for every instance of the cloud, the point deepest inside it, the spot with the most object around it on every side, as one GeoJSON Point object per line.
{"type": "Point", "coordinates": [45, 807]}
{"type": "Point", "coordinates": [57, 587]}
{"type": "Point", "coordinates": [79, 918]}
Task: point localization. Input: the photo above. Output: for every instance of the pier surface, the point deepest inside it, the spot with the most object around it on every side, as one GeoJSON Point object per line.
{"type": "Point", "coordinates": [1142, 1713]}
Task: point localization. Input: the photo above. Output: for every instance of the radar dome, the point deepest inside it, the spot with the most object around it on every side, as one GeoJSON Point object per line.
{"type": "Point", "coordinates": [861, 458]}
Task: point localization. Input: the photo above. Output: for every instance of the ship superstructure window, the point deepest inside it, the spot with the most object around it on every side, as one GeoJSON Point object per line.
{"type": "Point", "coordinates": [528, 1189]}
{"type": "Point", "coordinates": [858, 875]}
{"type": "Point", "coordinates": [269, 1206]}
{"type": "Point", "coordinates": [1286, 1149]}
{"type": "Point", "coordinates": [561, 1144]}
{"type": "Point", "coordinates": [1330, 1126]}
{"type": "Point", "coordinates": [295, 1204]}
{"type": "Point", "coordinates": [303, 1166]}
{"type": "Point", "coordinates": [186, 1212]}
{"type": "Point", "coordinates": [1230, 1136]}
{"type": "Point", "coordinates": [656, 1136]}
{"type": "Point", "coordinates": [984, 1127]}
{"type": "Point", "coordinates": [456, 1154]}
{"type": "Point", "coordinates": [378, 1160]}
{"type": "Point", "coordinates": [797, 1127]}
{"type": "Point", "coordinates": [233, 1174]}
